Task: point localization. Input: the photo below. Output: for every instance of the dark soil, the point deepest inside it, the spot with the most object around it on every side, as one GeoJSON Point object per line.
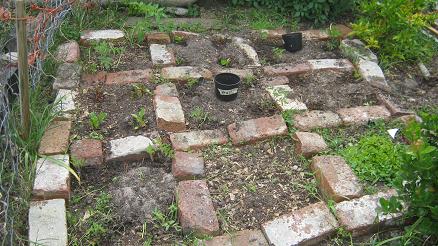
{"type": "Point", "coordinates": [254, 184]}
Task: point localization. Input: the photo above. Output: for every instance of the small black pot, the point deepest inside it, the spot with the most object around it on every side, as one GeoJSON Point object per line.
{"type": "Point", "coordinates": [226, 86]}
{"type": "Point", "coordinates": [293, 41]}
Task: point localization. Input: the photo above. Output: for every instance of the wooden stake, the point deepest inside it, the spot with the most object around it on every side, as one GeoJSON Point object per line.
{"type": "Point", "coordinates": [23, 69]}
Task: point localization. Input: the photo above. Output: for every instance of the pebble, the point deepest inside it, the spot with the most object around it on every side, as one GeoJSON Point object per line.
{"type": "Point", "coordinates": [295, 167]}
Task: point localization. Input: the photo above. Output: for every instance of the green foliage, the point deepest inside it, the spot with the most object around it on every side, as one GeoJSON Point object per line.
{"type": "Point", "coordinates": [417, 180]}
{"type": "Point", "coordinates": [374, 158]}
{"type": "Point", "coordinates": [105, 54]}
{"type": "Point", "coordinates": [192, 82]}
{"type": "Point", "coordinates": [167, 221]}
{"type": "Point", "coordinates": [194, 10]}
{"type": "Point", "coordinates": [139, 120]}
{"type": "Point", "coordinates": [394, 29]}
{"type": "Point", "coordinates": [249, 81]}
{"type": "Point", "coordinates": [96, 120]}
{"type": "Point", "coordinates": [278, 52]}
{"type": "Point", "coordinates": [225, 62]}
{"type": "Point", "coordinates": [145, 9]}
{"type": "Point", "coordinates": [334, 38]}
{"type": "Point", "coordinates": [139, 90]}
{"type": "Point", "coordinates": [200, 116]}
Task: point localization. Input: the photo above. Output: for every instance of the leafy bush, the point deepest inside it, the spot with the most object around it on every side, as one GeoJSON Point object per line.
{"type": "Point", "coordinates": [319, 11]}
{"type": "Point", "coordinates": [394, 29]}
{"type": "Point", "coordinates": [374, 158]}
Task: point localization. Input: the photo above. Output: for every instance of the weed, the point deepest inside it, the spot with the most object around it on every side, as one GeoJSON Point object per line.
{"type": "Point", "coordinates": [105, 54]}
{"type": "Point", "coordinates": [96, 120]}
{"type": "Point", "coordinates": [251, 187]}
{"type": "Point", "coordinates": [278, 52]}
{"type": "Point", "coordinates": [137, 33]}
{"type": "Point", "coordinates": [199, 116]}
{"type": "Point", "coordinates": [158, 79]}
{"type": "Point", "coordinates": [76, 162]}
{"type": "Point", "coordinates": [139, 90]}
{"type": "Point", "coordinates": [179, 61]}
{"type": "Point", "coordinates": [178, 39]}
{"type": "Point", "coordinates": [159, 147]}
{"type": "Point", "coordinates": [266, 104]}
{"type": "Point", "coordinates": [167, 221]}
{"type": "Point", "coordinates": [96, 135]}
{"type": "Point", "coordinates": [139, 120]}
{"type": "Point", "coordinates": [249, 81]}
{"type": "Point", "coordinates": [225, 62]}
{"type": "Point", "coordinates": [192, 82]}
{"type": "Point", "coordinates": [288, 116]}
{"type": "Point", "coordinates": [334, 38]}
{"type": "Point", "coordinates": [194, 10]}
{"type": "Point", "coordinates": [145, 9]}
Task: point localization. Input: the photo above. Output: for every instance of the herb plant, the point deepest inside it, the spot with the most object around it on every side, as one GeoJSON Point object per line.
{"type": "Point", "coordinates": [96, 120]}
{"type": "Point", "coordinates": [139, 120]}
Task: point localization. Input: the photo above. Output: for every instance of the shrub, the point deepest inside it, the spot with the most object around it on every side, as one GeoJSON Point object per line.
{"type": "Point", "coordinates": [319, 11]}
{"type": "Point", "coordinates": [393, 28]}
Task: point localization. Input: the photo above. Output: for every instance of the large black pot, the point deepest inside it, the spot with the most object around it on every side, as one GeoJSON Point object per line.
{"type": "Point", "coordinates": [293, 42]}
{"type": "Point", "coordinates": [226, 86]}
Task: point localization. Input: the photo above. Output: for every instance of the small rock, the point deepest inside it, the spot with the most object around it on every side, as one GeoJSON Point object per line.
{"type": "Point", "coordinates": [177, 11]}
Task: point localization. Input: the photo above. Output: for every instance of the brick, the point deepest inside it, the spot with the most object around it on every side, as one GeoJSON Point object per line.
{"type": "Point", "coordinates": [167, 89]}
{"type": "Point", "coordinates": [316, 119]}
{"type": "Point", "coordinates": [331, 64]}
{"type": "Point", "coordinates": [273, 81]}
{"type": "Point", "coordinates": [344, 30]}
{"type": "Point", "coordinates": [287, 69]}
{"type": "Point", "coordinates": [55, 139]}
{"type": "Point", "coordinates": [336, 179]}
{"type": "Point", "coordinates": [169, 113]}
{"type": "Point", "coordinates": [48, 223]}
{"type": "Point", "coordinates": [362, 216]}
{"type": "Point", "coordinates": [65, 103]}
{"type": "Point", "coordinates": [315, 35]}
{"type": "Point", "coordinates": [184, 35]}
{"type": "Point", "coordinates": [273, 37]}
{"type": "Point", "coordinates": [363, 114]}
{"type": "Point", "coordinates": [184, 73]}
{"type": "Point", "coordinates": [187, 165]}
{"type": "Point", "coordinates": [52, 178]}
{"type": "Point", "coordinates": [129, 148]}
{"type": "Point", "coordinates": [242, 73]}
{"type": "Point", "coordinates": [257, 129]}
{"type": "Point", "coordinates": [245, 237]}
{"type": "Point", "coordinates": [283, 98]}
{"type": "Point", "coordinates": [161, 56]}
{"type": "Point", "coordinates": [308, 144]}
{"type": "Point", "coordinates": [307, 226]}
{"type": "Point", "coordinates": [356, 50]}
{"type": "Point", "coordinates": [89, 151]}
{"type": "Point", "coordinates": [94, 79]}
{"type": "Point", "coordinates": [127, 77]}
{"type": "Point", "coordinates": [102, 35]}
{"type": "Point", "coordinates": [67, 76]}
{"type": "Point", "coordinates": [68, 52]}
{"type": "Point", "coordinates": [196, 211]}
{"type": "Point", "coordinates": [373, 74]}
{"type": "Point", "coordinates": [248, 50]}
{"type": "Point", "coordinates": [197, 139]}
{"type": "Point", "coordinates": [394, 109]}
{"type": "Point", "coordinates": [158, 38]}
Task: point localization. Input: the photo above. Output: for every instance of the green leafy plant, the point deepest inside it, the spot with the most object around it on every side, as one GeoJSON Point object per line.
{"type": "Point", "coordinates": [194, 10]}
{"type": "Point", "coordinates": [249, 80]}
{"type": "Point", "coordinates": [192, 82]}
{"type": "Point", "coordinates": [199, 116]}
{"type": "Point", "coordinates": [145, 9]}
{"type": "Point", "coordinates": [225, 62]}
{"type": "Point", "coordinates": [334, 38]}
{"type": "Point", "coordinates": [139, 90]}
{"type": "Point", "coordinates": [167, 221]}
{"type": "Point", "coordinates": [96, 120]}
{"type": "Point", "coordinates": [139, 120]}
{"type": "Point", "coordinates": [178, 39]}
{"type": "Point", "coordinates": [278, 52]}
{"type": "Point", "coordinates": [105, 54]}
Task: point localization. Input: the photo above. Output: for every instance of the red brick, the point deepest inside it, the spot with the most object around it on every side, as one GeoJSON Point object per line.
{"type": "Point", "coordinates": [244, 238]}
{"type": "Point", "coordinates": [394, 109]}
{"type": "Point", "coordinates": [316, 119]}
{"type": "Point", "coordinates": [257, 129]}
{"type": "Point", "coordinates": [273, 37]}
{"type": "Point", "coordinates": [55, 139]}
{"type": "Point", "coordinates": [184, 73]}
{"type": "Point", "coordinates": [315, 35]}
{"type": "Point", "coordinates": [184, 35]}
{"type": "Point", "coordinates": [93, 79]}
{"type": "Point", "coordinates": [158, 38]}
{"type": "Point", "coordinates": [308, 144]}
{"type": "Point", "coordinates": [197, 139]}
{"type": "Point", "coordinates": [335, 178]}
{"type": "Point", "coordinates": [196, 211]}
{"type": "Point", "coordinates": [68, 52]}
{"type": "Point", "coordinates": [187, 165]}
{"type": "Point", "coordinates": [169, 113]}
{"type": "Point", "coordinates": [273, 81]}
{"type": "Point", "coordinates": [287, 69]}
{"type": "Point", "coordinates": [87, 150]}
{"type": "Point", "coordinates": [126, 77]}
{"type": "Point", "coordinates": [363, 114]}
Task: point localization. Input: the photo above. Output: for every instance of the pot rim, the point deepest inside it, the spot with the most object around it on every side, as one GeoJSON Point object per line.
{"type": "Point", "coordinates": [232, 74]}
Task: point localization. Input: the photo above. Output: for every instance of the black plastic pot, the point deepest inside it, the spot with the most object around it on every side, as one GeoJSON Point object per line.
{"type": "Point", "coordinates": [293, 42]}
{"type": "Point", "coordinates": [226, 86]}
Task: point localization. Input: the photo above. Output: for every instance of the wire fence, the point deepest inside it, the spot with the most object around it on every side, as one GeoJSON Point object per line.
{"type": "Point", "coordinates": [44, 19]}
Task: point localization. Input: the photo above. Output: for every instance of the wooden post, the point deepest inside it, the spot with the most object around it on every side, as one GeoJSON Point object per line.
{"type": "Point", "coordinates": [23, 69]}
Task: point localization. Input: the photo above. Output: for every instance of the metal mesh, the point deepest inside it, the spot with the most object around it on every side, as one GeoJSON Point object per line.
{"type": "Point", "coordinates": [46, 18]}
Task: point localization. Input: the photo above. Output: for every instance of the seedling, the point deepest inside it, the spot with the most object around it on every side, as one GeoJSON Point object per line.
{"type": "Point", "coordinates": [179, 61]}
{"type": "Point", "coordinates": [167, 221]}
{"type": "Point", "coordinates": [151, 151]}
{"type": "Point", "coordinates": [139, 90]}
{"type": "Point", "coordinates": [225, 62]}
{"type": "Point", "coordinates": [334, 38]}
{"type": "Point", "coordinates": [178, 39]}
{"type": "Point", "coordinates": [248, 81]}
{"type": "Point", "coordinates": [96, 135]}
{"type": "Point", "coordinates": [96, 120]}
{"type": "Point", "coordinates": [164, 148]}
{"type": "Point", "coordinates": [139, 119]}
{"type": "Point", "coordinates": [192, 82]}
{"type": "Point", "coordinates": [105, 52]}
{"type": "Point", "coordinates": [278, 52]}
{"type": "Point", "coordinates": [199, 115]}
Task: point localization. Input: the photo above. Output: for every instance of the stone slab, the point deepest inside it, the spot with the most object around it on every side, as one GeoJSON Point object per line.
{"type": "Point", "coordinates": [331, 64]}
{"type": "Point", "coordinates": [110, 35]}
{"type": "Point", "coordinates": [283, 98]}
{"type": "Point", "coordinates": [68, 52]}
{"type": "Point", "coordinates": [88, 151]}
{"type": "Point", "coordinates": [336, 179]}
{"type": "Point", "coordinates": [48, 223]}
{"type": "Point", "coordinates": [241, 238]}
{"type": "Point", "coordinates": [67, 76]}
{"type": "Point", "coordinates": [187, 165]}
{"type": "Point", "coordinates": [316, 119]}
{"type": "Point", "coordinates": [169, 113]}
{"type": "Point", "coordinates": [161, 56]}
{"type": "Point", "coordinates": [52, 178]}
{"type": "Point", "coordinates": [167, 89]}
{"type": "Point", "coordinates": [356, 50]}
{"type": "Point", "coordinates": [55, 139]}
{"type": "Point", "coordinates": [363, 114]}
{"type": "Point", "coordinates": [196, 211]}
{"type": "Point", "coordinates": [308, 144]}
{"type": "Point", "coordinates": [158, 38]}
{"type": "Point", "coordinates": [197, 139]}
{"type": "Point", "coordinates": [129, 148]}
{"type": "Point", "coordinates": [127, 77]}
{"type": "Point", "coordinates": [307, 226]}
{"type": "Point", "coordinates": [250, 52]}
{"type": "Point", "coordinates": [257, 129]}
{"type": "Point", "coordinates": [184, 73]}
{"type": "Point", "coordinates": [373, 74]}
{"type": "Point", "coordinates": [65, 103]}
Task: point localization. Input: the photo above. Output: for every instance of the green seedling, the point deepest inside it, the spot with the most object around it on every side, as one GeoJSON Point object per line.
{"type": "Point", "coordinates": [179, 61]}
{"type": "Point", "coordinates": [199, 115]}
{"type": "Point", "coordinates": [249, 80]}
{"type": "Point", "coordinates": [95, 135]}
{"type": "Point", "coordinates": [139, 119]}
{"type": "Point", "coordinates": [278, 52]}
{"type": "Point", "coordinates": [225, 62]}
{"type": "Point", "coordinates": [192, 82]}
{"type": "Point", "coordinates": [178, 39]}
{"type": "Point", "coordinates": [96, 120]}
{"type": "Point", "coordinates": [139, 90]}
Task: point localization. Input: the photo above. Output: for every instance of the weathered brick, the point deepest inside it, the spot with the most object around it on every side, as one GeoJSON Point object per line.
{"type": "Point", "coordinates": [283, 98]}
{"type": "Point", "coordinates": [102, 35]}
{"type": "Point", "coordinates": [129, 148]}
{"type": "Point", "coordinates": [52, 178]}
{"type": "Point", "coordinates": [243, 238]}
{"type": "Point", "coordinates": [184, 73]}
{"type": "Point", "coordinates": [315, 34]}
{"type": "Point", "coordinates": [373, 74]}
{"type": "Point", "coordinates": [316, 119]}
{"type": "Point", "coordinates": [363, 114]}
{"type": "Point", "coordinates": [335, 178]}
{"type": "Point", "coordinates": [55, 139]}
{"type": "Point", "coordinates": [169, 113]}
{"type": "Point", "coordinates": [197, 139]}
{"type": "Point", "coordinates": [167, 89]}
{"type": "Point", "coordinates": [273, 37]}
{"type": "Point", "coordinates": [89, 151]}
{"type": "Point", "coordinates": [257, 129]}
{"type": "Point", "coordinates": [242, 73]}
{"type": "Point", "coordinates": [68, 52]}
{"type": "Point", "coordinates": [161, 56]}
{"type": "Point", "coordinates": [93, 79]}
{"type": "Point", "coordinates": [287, 69]}
{"type": "Point", "coordinates": [273, 81]}
{"type": "Point", "coordinates": [187, 165]}
{"type": "Point", "coordinates": [307, 226]}
{"type": "Point", "coordinates": [158, 38]}
{"type": "Point", "coordinates": [127, 77]}
{"type": "Point", "coordinates": [331, 64]}
{"type": "Point", "coordinates": [196, 211]}
{"type": "Point", "coordinates": [308, 144]}
{"type": "Point", "coordinates": [67, 76]}
{"type": "Point", "coordinates": [362, 216]}
{"type": "Point", "coordinates": [394, 109]}
{"type": "Point", "coordinates": [48, 223]}
{"type": "Point", "coordinates": [184, 35]}
{"type": "Point", "coordinates": [65, 103]}
{"type": "Point", "coordinates": [248, 50]}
